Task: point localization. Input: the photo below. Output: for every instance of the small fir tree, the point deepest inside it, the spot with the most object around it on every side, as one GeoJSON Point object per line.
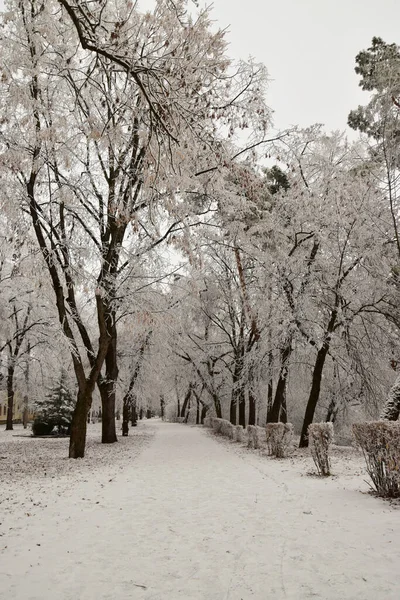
{"type": "Point", "coordinates": [57, 408]}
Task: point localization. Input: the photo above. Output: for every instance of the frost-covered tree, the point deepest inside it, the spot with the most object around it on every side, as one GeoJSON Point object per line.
{"type": "Point", "coordinates": [102, 152]}
{"type": "Point", "coordinates": [379, 71]}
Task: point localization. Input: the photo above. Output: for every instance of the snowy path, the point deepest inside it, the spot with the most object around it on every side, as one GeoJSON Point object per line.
{"type": "Point", "coordinates": [195, 518]}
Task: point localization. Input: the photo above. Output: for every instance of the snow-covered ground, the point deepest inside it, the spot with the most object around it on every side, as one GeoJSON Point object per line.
{"type": "Point", "coordinates": [174, 513]}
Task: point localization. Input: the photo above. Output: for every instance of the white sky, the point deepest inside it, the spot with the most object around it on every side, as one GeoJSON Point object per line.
{"type": "Point", "coordinates": [309, 47]}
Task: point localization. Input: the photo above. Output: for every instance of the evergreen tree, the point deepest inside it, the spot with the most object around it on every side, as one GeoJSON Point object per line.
{"type": "Point", "coordinates": [57, 409]}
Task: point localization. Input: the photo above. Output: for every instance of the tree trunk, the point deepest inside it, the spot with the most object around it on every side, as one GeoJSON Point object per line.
{"type": "Point", "coordinates": [108, 429]}
{"type": "Point", "coordinates": [283, 413]}
{"type": "Point", "coordinates": [162, 407]}
{"type": "Point", "coordinates": [107, 389]}
{"type": "Point", "coordinates": [391, 410]}
{"type": "Point", "coordinates": [204, 410]}
{"type": "Point", "coordinates": [134, 415]}
{"type": "Point", "coordinates": [252, 407]}
{"type": "Point", "coordinates": [10, 397]}
{"type": "Point", "coordinates": [77, 439]}
{"type": "Point", "coordinates": [242, 407]}
{"type": "Point", "coordinates": [217, 405]}
{"type": "Point", "coordinates": [270, 391]}
{"type": "Point", "coordinates": [280, 392]}
{"type": "Point", "coordinates": [186, 401]}
{"type": "Point", "coordinates": [233, 411]}
{"type": "Point", "coordinates": [314, 393]}
{"type": "Point", "coordinates": [125, 418]}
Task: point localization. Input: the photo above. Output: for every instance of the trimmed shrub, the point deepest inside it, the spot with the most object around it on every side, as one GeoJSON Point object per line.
{"type": "Point", "coordinates": [42, 427]}
{"type": "Point", "coordinates": [254, 436]}
{"type": "Point", "coordinates": [380, 444]}
{"type": "Point", "coordinates": [279, 438]}
{"type": "Point", "coordinates": [207, 422]}
{"type": "Point", "coordinates": [238, 433]}
{"type": "Point", "coordinates": [217, 424]}
{"type": "Point", "coordinates": [320, 437]}
{"type": "Point", "coordinates": [227, 428]}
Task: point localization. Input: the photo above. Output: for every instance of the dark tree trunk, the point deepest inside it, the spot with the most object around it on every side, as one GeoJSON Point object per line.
{"type": "Point", "coordinates": [79, 425]}
{"type": "Point", "coordinates": [283, 413]}
{"type": "Point", "coordinates": [242, 407]}
{"type": "Point", "coordinates": [134, 413]}
{"type": "Point", "coordinates": [280, 392]}
{"type": "Point", "coordinates": [314, 393]}
{"type": "Point", "coordinates": [217, 405]}
{"type": "Point", "coordinates": [10, 397]}
{"type": "Point", "coordinates": [233, 411]}
{"type": "Point", "coordinates": [141, 413]}
{"type": "Point", "coordinates": [148, 414]}
{"type": "Point", "coordinates": [204, 410]}
{"type": "Point", "coordinates": [108, 430]}
{"type": "Point", "coordinates": [235, 391]}
{"type": "Point", "coordinates": [107, 387]}
{"type": "Point", "coordinates": [252, 408]}
{"type": "Point", "coordinates": [162, 407]}
{"type": "Point", "coordinates": [186, 401]}
{"type": "Point", "coordinates": [125, 418]}
{"type": "Point", "coordinates": [317, 377]}
{"type": "Point", "coordinates": [270, 391]}
{"type": "Point", "coordinates": [197, 412]}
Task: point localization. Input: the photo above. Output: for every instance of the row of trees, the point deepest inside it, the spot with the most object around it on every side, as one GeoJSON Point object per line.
{"type": "Point", "coordinates": [147, 242]}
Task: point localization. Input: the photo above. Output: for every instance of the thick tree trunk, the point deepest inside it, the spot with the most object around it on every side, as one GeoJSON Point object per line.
{"type": "Point", "coordinates": [107, 389]}
{"type": "Point", "coordinates": [186, 401]}
{"type": "Point", "coordinates": [280, 392]}
{"type": "Point", "coordinates": [204, 410]}
{"type": "Point", "coordinates": [314, 393]}
{"type": "Point", "coordinates": [108, 429]}
{"type": "Point", "coordinates": [391, 410]}
{"type": "Point", "coordinates": [233, 411]}
{"type": "Point", "coordinates": [77, 439]}
{"type": "Point", "coordinates": [242, 406]}
{"type": "Point", "coordinates": [283, 413]}
{"type": "Point", "coordinates": [10, 397]}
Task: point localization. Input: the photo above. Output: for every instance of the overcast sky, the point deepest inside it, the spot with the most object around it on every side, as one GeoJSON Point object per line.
{"type": "Point", "coordinates": [309, 47]}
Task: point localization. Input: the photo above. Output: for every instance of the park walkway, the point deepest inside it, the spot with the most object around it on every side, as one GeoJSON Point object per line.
{"type": "Point", "coordinates": [198, 518]}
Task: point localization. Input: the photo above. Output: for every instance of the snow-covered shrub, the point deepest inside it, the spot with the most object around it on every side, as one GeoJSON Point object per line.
{"type": "Point", "coordinates": [216, 424]}
{"type": "Point", "coordinates": [279, 438]}
{"type": "Point", "coordinates": [40, 427]}
{"type": "Point", "coordinates": [254, 436]}
{"type": "Point", "coordinates": [320, 437]}
{"type": "Point", "coordinates": [380, 444]}
{"type": "Point", "coordinates": [239, 433]}
{"type": "Point", "coordinates": [227, 428]}
{"type": "Point", "coordinates": [207, 422]}
{"type": "Point", "coordinates": [180, 420]}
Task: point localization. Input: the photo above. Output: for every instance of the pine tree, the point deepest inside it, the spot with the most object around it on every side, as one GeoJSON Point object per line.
{"type": "Point", "coordinates": [58, 407]}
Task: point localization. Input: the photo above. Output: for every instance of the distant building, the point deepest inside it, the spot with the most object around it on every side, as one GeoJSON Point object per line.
{"type": "Point", "coordinates": [18, 408]}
